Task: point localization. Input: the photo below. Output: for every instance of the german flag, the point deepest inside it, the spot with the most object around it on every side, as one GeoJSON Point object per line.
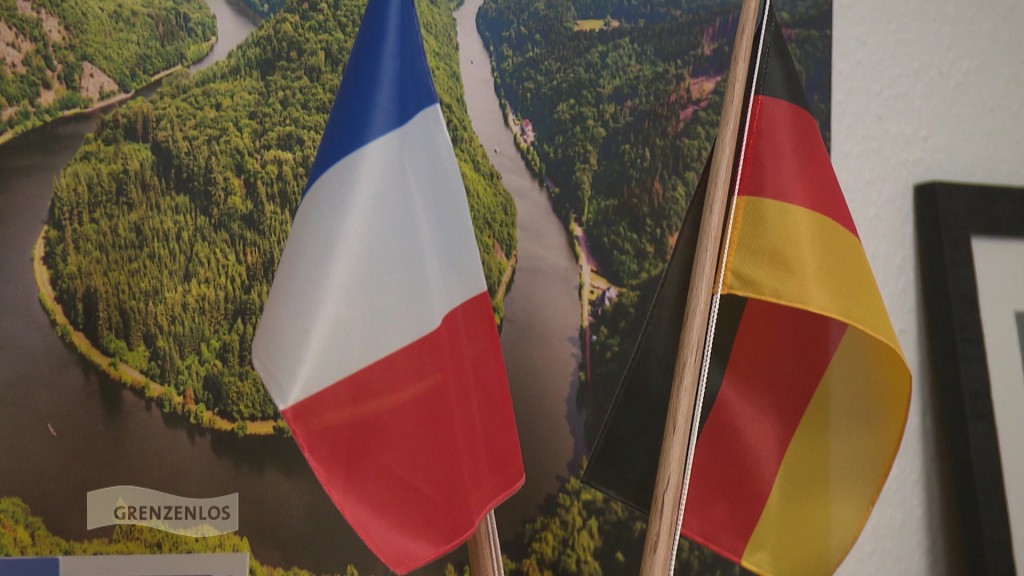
{"type": "Point", "coordinates": [807, 390]}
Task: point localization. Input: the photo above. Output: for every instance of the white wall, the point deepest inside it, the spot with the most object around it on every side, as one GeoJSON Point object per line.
{"type": "Point", "coordinates": [922, 90]}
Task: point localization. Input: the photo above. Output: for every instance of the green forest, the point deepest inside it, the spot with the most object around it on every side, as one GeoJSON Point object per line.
{"type": "Point", "coordinates": [624, 116]}
{"type": "Point", "coordinates": [265, 7]}
{"type": "Point", "coordinates": [53, 48]}
{"type": "Point", "coordinates": [165, 230]}
{"type": "Point", "coordinates": [582, 532]}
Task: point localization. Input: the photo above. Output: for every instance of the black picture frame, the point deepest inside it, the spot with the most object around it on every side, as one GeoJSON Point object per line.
{"type": "Point", "coordinates": [948, 215]}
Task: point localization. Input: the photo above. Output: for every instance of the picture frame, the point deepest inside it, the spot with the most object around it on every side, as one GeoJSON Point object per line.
{"type": "Point", "coordinates": [971, 247]}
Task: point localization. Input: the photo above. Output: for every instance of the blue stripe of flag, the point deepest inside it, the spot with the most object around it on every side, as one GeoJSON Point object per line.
{"type": "Point", "coordinates": [385, 83]}
{"type": "Point", "coordinates": [43, 566]}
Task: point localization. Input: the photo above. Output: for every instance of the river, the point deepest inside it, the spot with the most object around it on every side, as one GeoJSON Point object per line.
{"type": "Point", "coordinates": [107, 436]}
{"type": "Point", "coordinates": [540, 335]}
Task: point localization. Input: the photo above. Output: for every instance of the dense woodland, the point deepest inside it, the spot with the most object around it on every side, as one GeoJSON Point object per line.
{"type": "Point", "coordinates": [581, 532]}
{"type": "Point", "coordinates": [166, 228]}
{"type": "Point", "coordinates": [48, 43]}
{"type": "Point", "coordinates": [265, 7]}
{"type": "Point", "coordinates": [624, 117]}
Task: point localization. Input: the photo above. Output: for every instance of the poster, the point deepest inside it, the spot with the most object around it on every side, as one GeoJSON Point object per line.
{"type": "Point", "coordinates": [593, 120]}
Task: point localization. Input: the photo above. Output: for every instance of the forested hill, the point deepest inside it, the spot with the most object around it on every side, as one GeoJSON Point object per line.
{"type": "Point", "coordinates": [624, 115]}
{"type": "Point", "coordinates": [166, 229]}
{"type": "Point", "coordinates": [58, 55]}
{"type": "Point", "coordinates": [265, 7]}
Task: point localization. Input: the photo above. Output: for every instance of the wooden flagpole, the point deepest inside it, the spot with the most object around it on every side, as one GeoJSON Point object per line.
{"type": "Point", "coordinates": [485, 549]}
{"type": "Point", "coordinates": [664, 522]}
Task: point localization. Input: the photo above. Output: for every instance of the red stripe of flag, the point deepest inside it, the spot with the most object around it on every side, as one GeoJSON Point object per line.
{"type": "Point", "coordinates": [778, 358]}
{"type": "Point", "coordinates": [783, 161]}
{"type": "Point", "coordinates": [401, 408]}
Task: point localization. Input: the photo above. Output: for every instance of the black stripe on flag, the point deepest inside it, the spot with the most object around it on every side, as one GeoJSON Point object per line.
{"type": "Point", "coordinates": [779, 77]}
{"type": "Point", "coordinates": [727, 323]}
{"type": "Point", "coordinates": [624, 461]}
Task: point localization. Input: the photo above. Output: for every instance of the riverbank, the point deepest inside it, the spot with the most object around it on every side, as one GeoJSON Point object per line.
{"type": "Point", "coordinates": [108, 102]}
{"type": "Point", "coordinates": [503, 286]}
{"type": "Point", "coordinates": [169, 400]}
{"type": "Point", "coordinates": [595, 290]}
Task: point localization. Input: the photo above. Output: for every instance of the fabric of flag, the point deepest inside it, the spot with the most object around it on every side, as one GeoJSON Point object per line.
{"type": "Point", "coordinates": [378, 341]}
{"type": "Point", "coordinates": [624, 461]}
{"type": "Point", "coordinates": [807, 390]}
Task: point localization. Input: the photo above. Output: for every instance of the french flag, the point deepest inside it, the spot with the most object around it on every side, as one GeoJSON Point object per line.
{"type": "Point", "coordinates": [377, 340]}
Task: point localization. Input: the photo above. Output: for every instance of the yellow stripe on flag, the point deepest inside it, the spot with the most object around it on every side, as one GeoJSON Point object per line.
{"type": "Point", "coordinates": [790, 255]}
{"type": "Point", "coordinates": [836, 463]}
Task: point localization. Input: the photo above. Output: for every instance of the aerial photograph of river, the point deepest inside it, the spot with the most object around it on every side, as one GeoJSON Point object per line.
{"type": "Point", "coordinates": [103, 435]}
{"type": "Point", "coordinates": [68, 428]}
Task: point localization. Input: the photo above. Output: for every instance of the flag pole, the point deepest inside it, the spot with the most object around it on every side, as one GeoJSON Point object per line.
{"type": "Point", "coordinates": [665, 519]}
{"type": "Point", "coordinates": [485, 549]}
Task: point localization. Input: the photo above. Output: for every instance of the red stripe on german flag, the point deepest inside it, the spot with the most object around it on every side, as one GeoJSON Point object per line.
{"type": "Point", "coordinates": [807, 391]}
{"type": "Point", "coordinates": [789, 137]}
{"type": "Point", "coordinates": [813, 399]}
{"type": "Point", "coordinates": [793, 240]}
{"type": "Point", "coordinates": [751, 424]}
